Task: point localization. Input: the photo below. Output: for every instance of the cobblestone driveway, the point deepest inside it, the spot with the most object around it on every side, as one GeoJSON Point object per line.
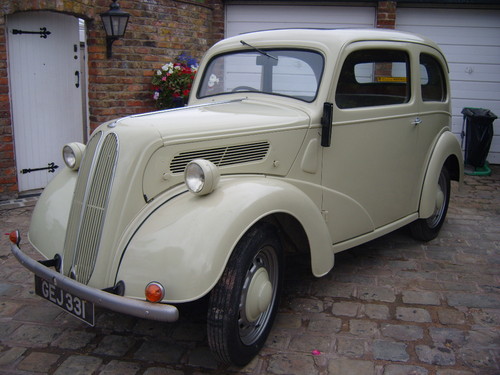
{"type": "Point", "coordinates": [392, 306]}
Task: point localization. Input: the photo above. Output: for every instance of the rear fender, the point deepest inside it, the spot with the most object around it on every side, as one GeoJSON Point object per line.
{"type": "Point", "coordinates": [186, 242]}
{"type": "Point", "coordinates": [446, 152]}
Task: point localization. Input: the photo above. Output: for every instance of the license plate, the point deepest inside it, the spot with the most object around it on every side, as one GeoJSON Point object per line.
{"type": "Point", "coordinates": [76, 306]}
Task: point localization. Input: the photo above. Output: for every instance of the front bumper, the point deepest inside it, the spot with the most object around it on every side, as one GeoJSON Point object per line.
{"type": "Point", "coordinates": [124, 305]}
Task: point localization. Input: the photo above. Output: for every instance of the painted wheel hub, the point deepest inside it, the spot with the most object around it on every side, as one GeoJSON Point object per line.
{"type": "Point", "coordinates": [259, 295]}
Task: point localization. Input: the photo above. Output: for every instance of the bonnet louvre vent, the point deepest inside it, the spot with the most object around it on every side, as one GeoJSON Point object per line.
{"type": "Point", "coordinates": [222, 156]}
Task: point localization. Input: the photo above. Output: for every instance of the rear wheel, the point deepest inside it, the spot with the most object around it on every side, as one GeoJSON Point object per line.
{"type": "Point", "coordinates": [245, 301]}
{"type": "Point", "coordinates": [428, 229]}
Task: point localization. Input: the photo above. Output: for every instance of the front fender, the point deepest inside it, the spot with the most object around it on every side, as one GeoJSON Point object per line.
{"type": "Point", "coordinates": [50, 217]}
{"type": "Point", "coordinates": [186, 242]}
{"type": "Point", "coordinates": [447, 151]}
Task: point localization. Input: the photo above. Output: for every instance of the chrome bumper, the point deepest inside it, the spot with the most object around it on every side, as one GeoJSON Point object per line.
{"type": "Point", "coordinates": [129, 306]}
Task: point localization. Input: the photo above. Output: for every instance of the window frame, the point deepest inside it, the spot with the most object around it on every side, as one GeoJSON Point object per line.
{"type": "Point", "coordinates": [358, 95]}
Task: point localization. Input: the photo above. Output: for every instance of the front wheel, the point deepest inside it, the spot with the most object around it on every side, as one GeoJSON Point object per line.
{"type": "Point", "coordinates": [245, 301]}
{"type": "Point", "coordinates": [428, 229]}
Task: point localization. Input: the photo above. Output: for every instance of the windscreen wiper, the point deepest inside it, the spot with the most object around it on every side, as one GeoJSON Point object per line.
{"type": "Point", "coordinates": [259, 50]}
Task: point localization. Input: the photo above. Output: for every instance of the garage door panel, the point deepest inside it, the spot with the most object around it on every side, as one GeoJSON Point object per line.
{"type": "Point", "coordinates": [475, 90]}
{"type": "Point", "coordinates": [474, 73]}
{"type": "Point", "coordinates": [470, 40]}
{"type": "Point", "coordinates": [472, 54]}
{"type": "Point", "coordinates": [466, 36]}
{"type": "Point", "coordinates": [447, 17]}
{"type": "Point", "coordinates": [245, 18]}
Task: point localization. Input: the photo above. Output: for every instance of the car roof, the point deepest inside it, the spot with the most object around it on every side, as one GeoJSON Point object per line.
{"type": "Point", "coordinates": [329, 37]}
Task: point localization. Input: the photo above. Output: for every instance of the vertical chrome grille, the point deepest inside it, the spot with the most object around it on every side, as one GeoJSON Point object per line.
{"type": "Point", "coordinates": [89, 205]}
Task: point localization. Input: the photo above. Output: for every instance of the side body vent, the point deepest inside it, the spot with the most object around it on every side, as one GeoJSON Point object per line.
{"type": "Point", "coordinates": [222, 156]}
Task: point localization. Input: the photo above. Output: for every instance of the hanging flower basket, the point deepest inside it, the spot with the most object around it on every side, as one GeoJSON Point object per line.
{"type": "Point", "coordinates": [172, 83]}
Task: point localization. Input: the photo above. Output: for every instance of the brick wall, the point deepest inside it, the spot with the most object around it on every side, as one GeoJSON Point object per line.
{"type": "Point", "coordinates": [386, 14]}
{"type": "Point", "coordinates": [157, 32]}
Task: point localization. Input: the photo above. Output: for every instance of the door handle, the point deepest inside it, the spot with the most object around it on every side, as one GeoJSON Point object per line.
{"type": "Point", "coordinates": [417, 121]}
{"type": "Point", "coordinates": [77, 74]}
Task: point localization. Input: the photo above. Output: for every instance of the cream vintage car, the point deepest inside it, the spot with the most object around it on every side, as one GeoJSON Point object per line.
{"type": "Point", "coordinates": [313, 140]}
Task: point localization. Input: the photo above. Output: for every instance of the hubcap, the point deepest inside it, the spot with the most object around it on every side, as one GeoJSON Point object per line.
{"type": "Point", "coordinates": [258, 295]}
{"type": "Point", "coordinates": [441, 196]}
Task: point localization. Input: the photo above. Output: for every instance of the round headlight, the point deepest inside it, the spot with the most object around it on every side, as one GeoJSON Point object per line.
{"type": "Point", "coordinates": [73, 154]}
{"type": "Point", "coordinates": [201, 176]}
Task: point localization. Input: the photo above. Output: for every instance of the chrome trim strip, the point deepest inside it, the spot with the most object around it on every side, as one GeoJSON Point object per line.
{"type": "Point", "coordinates": [141, 309]}
{"type": "Point", "coordinates": [114, 123]}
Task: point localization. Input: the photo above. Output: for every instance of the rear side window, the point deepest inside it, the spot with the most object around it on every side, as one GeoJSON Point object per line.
{"type": "Point", "coordinates": [374, 78]}
{"type": "Point", "coordinates": [432, 80]}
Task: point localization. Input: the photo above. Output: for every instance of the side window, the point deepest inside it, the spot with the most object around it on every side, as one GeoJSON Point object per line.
{"type": "Point", "coordinates": [374, 78]}
{"type": "Point", "coordinates": [432, 80]}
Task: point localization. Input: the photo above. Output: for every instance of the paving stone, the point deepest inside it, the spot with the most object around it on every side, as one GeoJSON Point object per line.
{"type": "Point", "coordinates": [36, 335]}
{"type": "Point", "coordinates": [325, 287]}
{"type": "Point", "coordinates": [435, 355]}
{"type": "Point", "coordinates": [350, 347]}
{"type": "Point", "coordinates": [307, 305]}
{"type": "Point", "coordinates": [158, 351]}
{"type": "Point", "coordinates": [363, 328]}
{"type": "Point", "coordinates": [308, 343]}
{"type": "Point", "coordinates": [325, 325]}
{"type": "Point", "coordinates": [74, 340]}
{"type": "Point", "coordinates": [376, 311]}
{"type": "Point", "coordinates": [78, 365]}
{"type": "Point", "coordinates": [404, 370]}
{"type": "Point", "coordinates": [451, 316]}
{"type": "Point", "coordinates": [390, 351]}
{"type": "Point", "coordinates": [453, 372]}
{"type": "Point", "coordinates": [39, 315]}
{"type": "Point", "coordinates": [480, 358]}
{"type": "Point", "coordinates": [421, 297]}
{"type": "Point", "coordinates": [202, 357]}
{"type": "Point", "coordinates": [402, 332]}
{"type": "Point", "coordinates": [345, 366]}
{"type": "Point", "coordinates": [376, 293]}
{"type": "Point", "coordinates": [346, 308]}
{"type": "Point", "coordinates": [413, 314]}
{"type": "Point", "coordinates": [288, 363]}
{"type": "Point", "coordinates": [474, 300]}
{"type": "Point", "coordinates": [120, 368]}
{"type": "Point", "coordinates": [38, 362]}
{"type": "Point", "coordinates": [114, 345]}
{"type": "Point", "coordinates": [447, 336]}
{"type": "Point", "coordinates": [162, 371]}
{"type": "Point", "coordinates": [11, 355]}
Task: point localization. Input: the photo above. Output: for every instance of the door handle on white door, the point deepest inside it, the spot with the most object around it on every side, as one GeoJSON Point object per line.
{"type": "Point", "coordinates": [417, 121]}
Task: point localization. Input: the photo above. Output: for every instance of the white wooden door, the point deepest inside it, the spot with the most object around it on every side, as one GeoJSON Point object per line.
{"type": "Point", "coordinates": [46, 95]}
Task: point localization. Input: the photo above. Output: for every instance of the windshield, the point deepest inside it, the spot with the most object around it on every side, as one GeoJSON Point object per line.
{"type": "Point", "coordinates": [293, 73]}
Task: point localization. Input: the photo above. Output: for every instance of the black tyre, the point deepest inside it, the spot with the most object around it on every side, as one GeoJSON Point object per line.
{"type": "Point", "coordinates": [428, 229]}
{"type": "Point", "coordinates": [245, 301]}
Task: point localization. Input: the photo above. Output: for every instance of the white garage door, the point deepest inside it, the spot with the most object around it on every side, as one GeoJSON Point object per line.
{"type": "Point", "coordinates": [470, 39]}
{"type": "Point", "coordinates": [245, 18]}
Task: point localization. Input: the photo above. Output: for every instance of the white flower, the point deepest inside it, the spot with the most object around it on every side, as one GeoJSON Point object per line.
{"type": "Point", "coordinates": [167, 67]}
{"type": "Point", "coordinates": [212, 80]}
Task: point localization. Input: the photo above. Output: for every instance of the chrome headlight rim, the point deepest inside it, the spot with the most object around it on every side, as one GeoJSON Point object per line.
{"type": "Point", "coordinates": [72, 154]}
{"type": "Point", "coordinates": [201, 176]}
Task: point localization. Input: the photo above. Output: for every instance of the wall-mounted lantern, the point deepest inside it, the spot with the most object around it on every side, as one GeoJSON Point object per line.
{"type": "Point", "coordinates": [115, 23]}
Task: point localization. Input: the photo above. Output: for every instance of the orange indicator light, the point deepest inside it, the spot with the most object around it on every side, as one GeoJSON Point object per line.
{"type": "Point", "coordinates": [14, 237]}
{"type": "Point", "coordinates": [154, 292]}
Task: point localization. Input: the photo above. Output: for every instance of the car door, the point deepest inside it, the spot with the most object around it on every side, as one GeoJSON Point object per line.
{"type": "Point", "coordinates": [434, 102]}
{"type": "Point", "coordinates": [368, 173]}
